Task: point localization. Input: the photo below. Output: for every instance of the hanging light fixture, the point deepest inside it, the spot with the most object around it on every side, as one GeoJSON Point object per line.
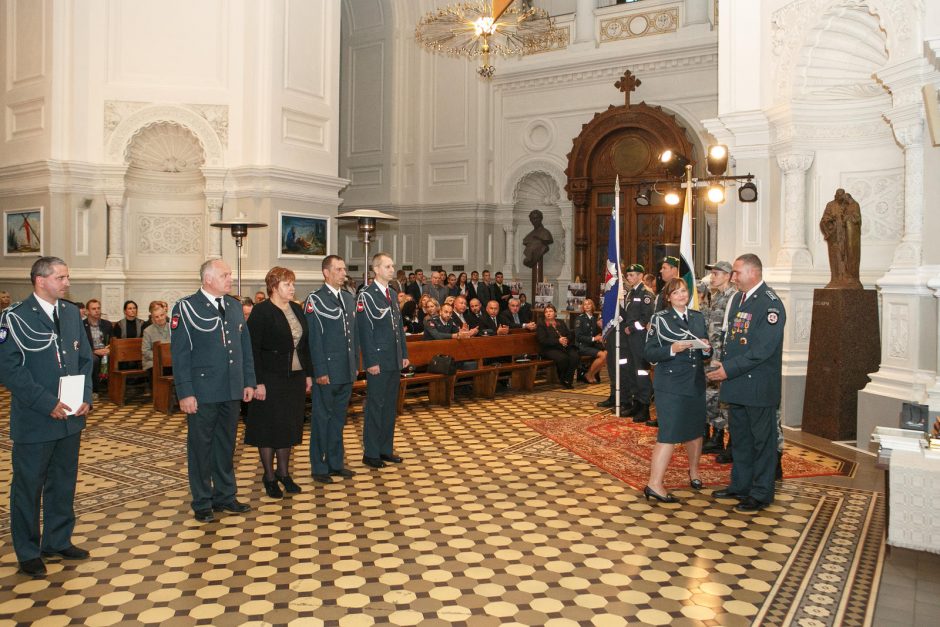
{"type": "Point", "coordinates": [672, 196]}
{"type": "Point", "coordinates": [748, 192]}
{"type": "Point", "coordinates": [673, 163]}
{"type": "Point", "coordinates": [717, 160]}
{"type": "Point", "coordinates": [643, 196]}
{"type": "Point", "coordinates": [715, 193]}
{"type": "Point", "coordinates": [479, 28]}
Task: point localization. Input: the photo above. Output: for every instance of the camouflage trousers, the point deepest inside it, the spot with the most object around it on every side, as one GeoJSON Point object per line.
{"type": "Point", "coordinates": [716, 412]}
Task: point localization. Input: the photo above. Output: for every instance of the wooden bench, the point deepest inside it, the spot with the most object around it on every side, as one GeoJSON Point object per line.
{"type": "Point", "coordinates": [164, 392]}
{"type": "Point", "coordinates": [123, 352]}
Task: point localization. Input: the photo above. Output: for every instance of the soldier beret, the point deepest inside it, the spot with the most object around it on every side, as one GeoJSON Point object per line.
{"type": "Point", "coordinates": [635, 267]}
{"type": "Point", "coordinates": [672, 261]}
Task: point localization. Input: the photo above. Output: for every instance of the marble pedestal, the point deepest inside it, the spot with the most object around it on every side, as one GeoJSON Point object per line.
{"type": "Point", "coordinates": [844, 348]}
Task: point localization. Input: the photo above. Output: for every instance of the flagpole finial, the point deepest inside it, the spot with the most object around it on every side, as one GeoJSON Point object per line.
{"type": "Point", "coordinates": [617, 185]}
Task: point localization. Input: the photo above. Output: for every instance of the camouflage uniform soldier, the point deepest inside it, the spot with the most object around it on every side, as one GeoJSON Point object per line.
{"type": "Point", "coordinates": [721, 292]}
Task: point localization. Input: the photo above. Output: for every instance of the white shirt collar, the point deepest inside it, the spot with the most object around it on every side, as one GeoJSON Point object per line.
{"type": "Point", "coordinates": [211, 297]}
{"type": "Point", "coordinates": [47, 306]}
{"type": "Point", "coordinates": [751, 291]}
{"type": "Point", "coordinates": [382, 286]}
{"type": "Point", "coordinates": [332, 289]}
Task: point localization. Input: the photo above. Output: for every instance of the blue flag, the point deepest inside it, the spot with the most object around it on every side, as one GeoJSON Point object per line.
{"type": "Point", "coordinates": [612, 277]}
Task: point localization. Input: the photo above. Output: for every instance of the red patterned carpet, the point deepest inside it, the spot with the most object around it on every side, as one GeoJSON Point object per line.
{"type": "Point", "coordinates": [623, 449]}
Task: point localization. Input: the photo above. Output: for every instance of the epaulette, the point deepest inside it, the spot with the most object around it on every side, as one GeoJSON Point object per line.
{"type": "Point", "coordinates": [233, 298]}
{"type": "Point", "coordinates": [771, 295]}
{"type": "Point", "coordinates": [14, 305]}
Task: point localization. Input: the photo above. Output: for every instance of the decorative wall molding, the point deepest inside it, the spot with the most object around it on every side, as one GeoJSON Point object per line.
{"type": "Point", "coordinates": [165, 147]}
{"type": "Point", "coordinates": [25, 54]}
{"type": "Point", "coordinates": [880, 193]}
{"type": "Point", "coordinates": [451, 173]}
{"type": "Point", "coordinates": [539, 134]}
{"type": "Point", "coordinates": [448, 249]}
{"type": "Point", "coordinates": [161, 234]}
{"type": "Point", "coordinates": [25, 119]}
{"type": "Point", "coordinates": [276, 182]}
{"type": "Point", "coordinates": [899, 319]}
{"type": "Point", "coordinates": [543, 164]}
{"type": "Point", "coordinates": [304, 130]}
{"type": "Point", "coordinates": [123, 120]}
{"type": "Point", "coordinates": [640, 24]}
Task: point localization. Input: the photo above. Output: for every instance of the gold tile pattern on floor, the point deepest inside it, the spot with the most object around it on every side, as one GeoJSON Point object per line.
{"type": "Point", "coordinates": [479, 527]}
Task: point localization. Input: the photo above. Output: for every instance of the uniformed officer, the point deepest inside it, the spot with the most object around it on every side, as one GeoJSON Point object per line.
{"type": "Point", "coordinates": [445, 327]}
{"type": "Point", "coordinates": [42, 340]}
{"type": "Point", "coordinates": [384, 354]}
{"type": "Point", "coordinates": [721, 291]}
{"type": "Point", "coordinates": [334, 350]}
{"type": "Point", "coordinates": [668, 270]}
{"type": "Point", "coordinates": [750, 369]}
{"type": "Point", "coordinates": [635, 311]}
{"type": "Point", "coordinates": [213, 370]}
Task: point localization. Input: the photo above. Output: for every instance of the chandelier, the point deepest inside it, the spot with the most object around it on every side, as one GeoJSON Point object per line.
{"type": "Point", "coordinates": [479, 28]}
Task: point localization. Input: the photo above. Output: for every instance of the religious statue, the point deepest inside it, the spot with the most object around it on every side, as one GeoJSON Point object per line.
{"type": "Point", "coordinates": [536, 243]}
{"type": "Point", "coordinates": [841, 225]}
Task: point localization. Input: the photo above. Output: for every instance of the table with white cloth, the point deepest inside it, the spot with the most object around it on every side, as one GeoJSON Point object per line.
{"type": "Point", "coordinates": [914, 501]}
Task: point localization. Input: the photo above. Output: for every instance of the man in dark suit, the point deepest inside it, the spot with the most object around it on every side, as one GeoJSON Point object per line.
{"type": "Point", "coordinates": [462, 314]}
{"type": "Point", "coordinates": [98, 331]}
{"type": "Point", "coordinates": [213, 369]}
{"type": "Point", "coordinates": [384, 354]}
{"type": "Point", "coordinates": [499, 291]}
{"type": "Point", "coordinates": [750, 369]}
{"type": "Point", "coordinates": [489, 321]}
{"type": "Point", "coordinates": [474, 313]}
{"type": "Point", "coordinates": [473, 286]}
{"type": "Point", "coordinates": [484, 290]}
{"type": "Point", "coordinates": [416, 288]}
{"type": "Point", "coordinates": [334, 349]}
{"type": "Point", "coordinates": [512, 317]}
{"type": "Point", "coordinates": [525, 308]}
{"type": "Point", "coordinates": [41, 341]}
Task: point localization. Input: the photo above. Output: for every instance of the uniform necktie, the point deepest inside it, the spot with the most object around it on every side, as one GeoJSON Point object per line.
{"type": "Point", "coordinates": [685, 318]}
{"type": "Point", "coordinates": [218, 303]}
{"type": "Point", "coordinates": [388, 296]}
{"type": "Point", "coordinates": [55, 320]}
{"type": "Point", "coordinates": [339, 297]}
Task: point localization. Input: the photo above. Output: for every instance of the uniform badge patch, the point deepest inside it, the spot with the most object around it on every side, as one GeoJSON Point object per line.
{"type": "Point", "coordinates": [772, 317]}
{"type": "Point", "coordinates": [75, 344]}
{"type": "Point", "coordinates": [647, 300]}
{"type": "Point", "coordinates": [3, 335]}
{"type": "Point", "coordinates": [175, 322]}
{"type": "Point", "coordinates": [744, 340]}
{"type": "Point", "coordinates": [360, 307]}
{"type": "Point", "coordinates": [309, 306]}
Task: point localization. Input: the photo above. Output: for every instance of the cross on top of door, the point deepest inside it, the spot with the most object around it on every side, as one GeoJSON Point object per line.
{"type": "Point", "coordinates": [627, 83]}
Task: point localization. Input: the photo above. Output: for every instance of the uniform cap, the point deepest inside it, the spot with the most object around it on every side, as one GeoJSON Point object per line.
{"type": "Point", "coordinates": [672, 261]}
{"type": "Point", "coordinates": [635, 267]}
{"type": "Point", "coordinates": [724, 266]}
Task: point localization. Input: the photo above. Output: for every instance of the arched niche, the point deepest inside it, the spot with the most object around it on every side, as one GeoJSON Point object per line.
{"type": "Point", "coordinates": [136, 122]}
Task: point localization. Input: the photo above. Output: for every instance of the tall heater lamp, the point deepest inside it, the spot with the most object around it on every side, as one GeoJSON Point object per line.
{"type": "Point", "coordinates": [239, 225]}
{"type": "Point", "coordinates": [366, 221]}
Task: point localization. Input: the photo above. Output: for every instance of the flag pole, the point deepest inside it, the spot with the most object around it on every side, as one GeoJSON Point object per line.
{"type": "Point", "coordinates": [617, 305]}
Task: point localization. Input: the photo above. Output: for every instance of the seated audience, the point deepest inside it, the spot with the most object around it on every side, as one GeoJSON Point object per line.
{"type": "Point", "coordinates": [130, 326]}
{"type": "Point", "coordinates": [409, 317]}
{"type": "Point", "coordinates": [474, 313]}
{"type": "Point", "coordinates": [159, 331]}
{"type": "Point", "coordinates": [589, 341]}
{"type": "Point", "coordinates": [99, 333]}
{"type": "Point", "coordinates": [452, 288]}
{"type": "Point", "coordinates": [525, 309]}
{"type": "Point", "coordinates": [557, 343]}
{"type": "Point", "coordinates": [489, 322]}
{"type": "Point", "coordinates": [444, 327]}
{"type": "Point", "coordinates": [513, 319]}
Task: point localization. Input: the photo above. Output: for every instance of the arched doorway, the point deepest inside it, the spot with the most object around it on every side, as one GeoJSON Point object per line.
{"type": "Point", "coordinates": [624, 141]}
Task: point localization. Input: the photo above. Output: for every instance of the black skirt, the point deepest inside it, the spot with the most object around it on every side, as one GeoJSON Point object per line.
{"type": "Point", "coordinates": [278, 421]}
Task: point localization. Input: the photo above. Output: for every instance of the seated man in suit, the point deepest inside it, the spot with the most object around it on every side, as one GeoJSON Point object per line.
{"type": "Point", "coordinates": [513, 319]}
{"type": "Point", "coordinates": [525, 309]}
{"type": "Point", "coordinates": [489, 322]}
{"type": "Point", "coordinates": [99, 333]}
{"type": "Point", "coordinates": [474, 313]}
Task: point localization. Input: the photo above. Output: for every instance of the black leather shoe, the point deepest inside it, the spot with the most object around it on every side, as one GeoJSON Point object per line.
{"type": "Point", "coordinates": [234, 507]}
{"type": "Point", "coordinates": [33, 567]}
{"type": "Point", "coordinates": [289, 486]}
{"type": "Point", "coordinates": [373, 462]}
{"type": "Point", "coordinates": [695, 483]}
{"type": "Point", "coordinates": [725, 493]}
{"type": "Point", "coordinates": [69, 553]}
{"type": "Point", "coordinates": [606, 403]}
{"type": "Point", "coordinates": [345, 473]}
{"type": "Point", "coordinates": [750, 505]}
{"type": "Point", "coordinates": [582, 377]}
{"type": "Point", "coordinates": [204, 515]}
{"type": "Point", "coordinates": [395, 459]}
{"type": "Point", "coordinates": [669, 498]}
{"type": "Point", "coordinates": [724, 457]}
{"type": "Point", "coordinates": [271, 488]}
{"type": "Point", "coordinates": [322, 479]}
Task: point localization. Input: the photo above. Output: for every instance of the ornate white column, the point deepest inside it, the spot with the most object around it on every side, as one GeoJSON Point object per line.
{"type": "Point", "coordinates": [584, 22]}
{"type": "Point", "coordinates": [509, 263]}
{"type": "Point", "coordinates": [909, 131]}
{"type": "Point", "coordinates": [794, 253]}
{"type": "Point", "coordinates": [115, 260]}
{"type": "Point", "coordinates": [215, 195]}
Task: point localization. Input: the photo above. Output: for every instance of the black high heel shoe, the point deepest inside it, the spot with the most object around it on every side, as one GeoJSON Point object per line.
{"type": "Point", "coordinates": [271, 488]}
{"type": "Point", "coordinates": [648, 493]}
{"type": "Point", "coordinates": [695, 483]}
{"type": "Point", "coordinates": [289, 486]}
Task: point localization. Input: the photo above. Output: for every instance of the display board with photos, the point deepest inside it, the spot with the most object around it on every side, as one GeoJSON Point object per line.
{"type": "Point", "coordinates": [544, 295]}
{"type": "Point", "coordinates": [577, 292]}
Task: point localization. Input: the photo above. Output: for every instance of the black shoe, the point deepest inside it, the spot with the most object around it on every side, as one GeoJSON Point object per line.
{"type": "Point", "coordinates": [272, 489]}
{"type": "Point", "coordinates": [234, 507]}
{"type": "Point", "coordinates": [567, 384]}
{"type": "Point", "coordinates": [716, 443]}
{"type": "Point", "coordinates": [724, 457]}
{"type": "Point", "coordinates": [582, 377]}
{"type": "Point", "coordinates": [642, 413]}
{"type": "Point", "coordinates": [395, 459]}
{"type": "Point", "coordinates": [342, 472]}
{"type": "Point", "coordinates": [204, 515]}
{"type": "Point", "coordinates": [726, 493]}
{"type": "Point", "coordinates": [695, 483]}
{"type": "Point", "coordinates": [289, 486]}
{"type": "Point", "coordinates": [68, 553]}
{"type": "Point", "coordinates": [373, 462]}
{"type": "Point", "coordinates": [648, 493]}
{"type": "Point", "coordinates": [750, 505]}
{"type": "Point", "coordinates": [606, 403]}
{"type": "Point", "coordinates": [628, 409]}
{"type": "Point", "coordinates": [322, 479]}
{"type": "Point", "coordinates": [33, 567]}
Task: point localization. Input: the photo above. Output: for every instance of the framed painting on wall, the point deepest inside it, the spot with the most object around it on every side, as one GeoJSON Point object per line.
{"type": "Point", "coordinates": [23, 228]}
{"type": "Point", "coordinates": [303, 236]}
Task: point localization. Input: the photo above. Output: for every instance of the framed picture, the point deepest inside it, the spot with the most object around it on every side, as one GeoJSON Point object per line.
{"type": "Point", "coordinates": [303, 236]}
{"type": "Point", "coordinates": [23, 228]}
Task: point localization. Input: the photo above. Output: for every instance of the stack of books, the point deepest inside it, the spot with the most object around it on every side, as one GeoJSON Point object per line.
{"type": "Point", "coordinates": [898, 439]}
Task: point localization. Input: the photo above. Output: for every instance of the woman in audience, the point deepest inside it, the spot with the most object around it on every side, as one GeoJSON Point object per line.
{"type": "Point", "coordinates": [463, 286]}
{"type": "Point", "coordinates": [452, 288]}
{"type": "Point", "coordinates": [129, 326]}
{"type": "Point", "coordinates": [409, 317]}
{"type": "Point", "coordinates": [419, 310]}
{"type": "Point", "coordinates": [589, 341]}
{"type": "Point", "coordinates": [157, 331]}
{"type": "Point", "coordinates": [431, 309]}
{"type": "Point", "coordinates": [284, 374]}
{"type": "Point", "coordinates": [679, 386]}
{"type": "Point", "coordinates": [556, 343]}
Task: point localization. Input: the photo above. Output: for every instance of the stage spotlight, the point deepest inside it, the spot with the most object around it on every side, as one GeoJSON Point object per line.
{"type": "Point", "coordinates": [643, 196]}
{"type": "Point", "coordinates": [673, 163]}
{"type": "Point", "coordinates": [717, 161]}
{"type": "Point", "coordinates": [748, 192]}
{"type": "Point", "coordinates": [672, 197]}
{"type": "Point", "coordinates": [716, 193]}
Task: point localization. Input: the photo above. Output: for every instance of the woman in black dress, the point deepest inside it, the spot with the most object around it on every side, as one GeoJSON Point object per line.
{"type": "Point", "coordinates": [587, 334]}
{"type": "Point", "coordinates": [284, 375]}
{"type": "Point", "coordinates": [556, 343]}
{"type": "Point", "coordinates": [679, 385]}
{"type": "Point", "coordinates": [129, 326]}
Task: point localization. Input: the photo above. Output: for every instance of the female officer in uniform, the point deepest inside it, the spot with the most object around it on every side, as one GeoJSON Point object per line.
{"type": "Point", "coordinates": [587, 332]}
{"type": "Point", "coordinates": [679, 385]}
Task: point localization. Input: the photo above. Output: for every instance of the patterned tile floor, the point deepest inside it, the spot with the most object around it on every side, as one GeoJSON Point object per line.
{"type": "Point", "coordinates": [482, 525]}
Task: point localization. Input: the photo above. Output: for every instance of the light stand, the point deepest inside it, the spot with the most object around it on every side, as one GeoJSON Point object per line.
{"type": "Point", "coordinates": [366, 221]}
{"type": "Point", "coordinates": [239, 226]}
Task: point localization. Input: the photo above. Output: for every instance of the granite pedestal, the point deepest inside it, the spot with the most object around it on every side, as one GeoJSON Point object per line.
{"type": "Point", "coordinates": [844, 348]}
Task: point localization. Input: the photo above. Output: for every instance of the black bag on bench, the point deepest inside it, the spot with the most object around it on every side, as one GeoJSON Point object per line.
{"type": "Point", "coordinates": [442, 364]}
